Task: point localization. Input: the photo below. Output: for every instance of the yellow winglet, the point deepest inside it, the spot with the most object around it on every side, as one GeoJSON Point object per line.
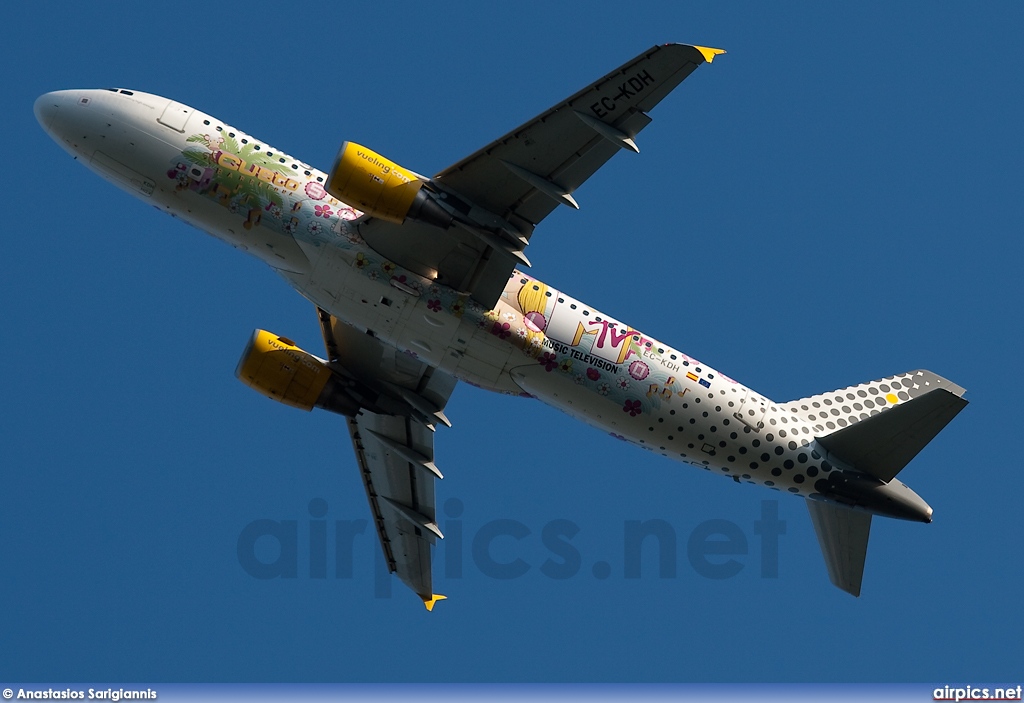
{"type": "Point", "coordinates": [429, 602]}
{"type": "Point", "coordinates": [709, 54]}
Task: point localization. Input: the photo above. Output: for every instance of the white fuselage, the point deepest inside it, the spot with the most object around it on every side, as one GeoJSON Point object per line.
{"type": "Point", "coordinates": [537, 341]}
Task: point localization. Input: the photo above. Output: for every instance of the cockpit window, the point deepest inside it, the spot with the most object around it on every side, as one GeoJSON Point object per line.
{"type": "Point", "coordinates": [112, 90]}
{"type": "Point", "coordinates": [126, 92]}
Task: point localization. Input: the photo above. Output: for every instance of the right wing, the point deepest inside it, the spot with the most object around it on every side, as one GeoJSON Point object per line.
{"type": "Point", "coordinates": [843, 537]}
{"type": "Point", "coordinates": [509, 186]}
{"type": "Point", "coordinates": [395, 451]}
{"type": "Point", "coordinates": [528, 172]}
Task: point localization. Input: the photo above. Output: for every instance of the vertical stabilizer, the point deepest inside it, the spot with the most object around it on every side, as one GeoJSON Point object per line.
{"type": "Point", "coordinates": [843, 536]}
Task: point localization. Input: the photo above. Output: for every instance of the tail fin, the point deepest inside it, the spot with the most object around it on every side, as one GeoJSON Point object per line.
{"type": "Point", "coordinates": [878, 427]}
{"type": "Point", "coordinates": [875, 428]}
{"type": "Point", "coordinates": [843, 537]}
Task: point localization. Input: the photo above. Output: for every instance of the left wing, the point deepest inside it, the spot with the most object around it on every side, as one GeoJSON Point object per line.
{"type": "Point", "coordinates": [500, 193]}
{"type": "Point", "coordinates": [395, 451]}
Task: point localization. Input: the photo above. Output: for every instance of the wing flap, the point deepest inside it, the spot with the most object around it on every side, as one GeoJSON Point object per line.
{"type": "Point", "coordinates": [843, 537]}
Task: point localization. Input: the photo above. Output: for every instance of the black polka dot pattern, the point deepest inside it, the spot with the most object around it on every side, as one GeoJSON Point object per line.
{"type": "Point", "coordinates": [780, 451]}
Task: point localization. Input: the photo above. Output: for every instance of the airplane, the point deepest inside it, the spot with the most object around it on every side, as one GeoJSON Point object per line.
{"type": "Point", "coordinates": [418, 283]}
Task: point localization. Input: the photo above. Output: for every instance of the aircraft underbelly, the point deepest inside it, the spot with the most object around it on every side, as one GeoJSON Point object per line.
{"type": "Point", "coordinates": [561, 391]}
{"type": "Point", "coordinates": [276, 249]}
{"type": "Point", "coordinates": [483, 360]}
{"type": "Point", "coordinates": [406, 318]}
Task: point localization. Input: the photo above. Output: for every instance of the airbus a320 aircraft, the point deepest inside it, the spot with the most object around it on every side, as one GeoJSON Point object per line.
{"type": "Point", "coordinates": [417, 284]}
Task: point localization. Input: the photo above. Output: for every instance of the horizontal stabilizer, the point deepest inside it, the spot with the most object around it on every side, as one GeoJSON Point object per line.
{"type": "Point", "coordinates": [884, 443]}
{"type": "Point", "coordinates": [879, 426]}
{"type": "Point", "coordinates": [843, 537]}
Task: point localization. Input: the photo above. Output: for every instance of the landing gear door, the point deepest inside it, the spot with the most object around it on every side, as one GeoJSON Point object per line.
{"type": "Point", "coordinates": [752, 410]}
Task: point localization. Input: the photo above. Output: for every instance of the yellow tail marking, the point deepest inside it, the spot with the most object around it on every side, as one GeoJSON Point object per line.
{"type": "Point", "coordinates": [708, 53]}
{"type": "Point", "coordinates": [429, 602]}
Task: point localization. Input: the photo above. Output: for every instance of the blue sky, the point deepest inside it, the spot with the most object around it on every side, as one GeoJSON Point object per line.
{"type": "Point", "coordinates": [835, 200]}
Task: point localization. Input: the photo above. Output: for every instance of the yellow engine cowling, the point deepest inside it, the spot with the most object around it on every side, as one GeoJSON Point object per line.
{"type": "Point", "coordinates": [278, 369]}
{"type": "Point", "coordinates": [379, 187]}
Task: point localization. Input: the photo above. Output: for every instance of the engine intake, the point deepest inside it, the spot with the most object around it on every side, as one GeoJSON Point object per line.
{"type": "Point", "coordinates": [278, 369]}
{"type": "Point", "coordinates": [379, 187]}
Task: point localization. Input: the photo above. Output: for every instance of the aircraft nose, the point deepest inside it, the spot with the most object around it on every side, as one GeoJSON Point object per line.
{"type": "Point", "coordinates": [58, 111]}
{"type": "Point", "coordinates": [47, 107]}
{"type": "Point", "coordinates": [66, 115]}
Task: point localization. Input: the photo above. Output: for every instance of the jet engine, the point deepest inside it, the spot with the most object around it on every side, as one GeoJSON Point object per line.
{"type": "Point", "coordinates": [379, 187]}
{"type": "Point", "coordinates": [278, 369]}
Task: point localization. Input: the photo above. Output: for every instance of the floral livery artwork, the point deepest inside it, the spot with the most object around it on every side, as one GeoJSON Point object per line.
{"type": "Point", "coordinates": [253, 183]}
{"type": "Point", "coordinates": [240, 177]}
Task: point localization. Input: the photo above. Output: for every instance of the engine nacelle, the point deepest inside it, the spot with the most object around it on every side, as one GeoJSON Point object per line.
{"type": "Point", "coordinates": [379, 187]}
{"type": "Point", "coordinates": [278, 369]}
